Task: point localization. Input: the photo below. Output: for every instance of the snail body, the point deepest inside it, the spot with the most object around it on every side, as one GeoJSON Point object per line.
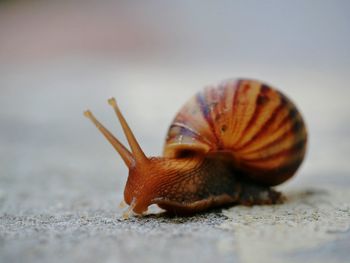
{"type": "Point", "coordinates": [229, 144]}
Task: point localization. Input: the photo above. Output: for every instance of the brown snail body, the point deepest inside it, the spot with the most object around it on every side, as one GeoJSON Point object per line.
{"type": "Point", "coordinates": [227, 145]}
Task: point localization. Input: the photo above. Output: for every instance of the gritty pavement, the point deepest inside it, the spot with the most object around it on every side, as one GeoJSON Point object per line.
{"type": "Point", "coordinates": [61, 183]}
{"type": "Point", "coordinates": [312, 226]}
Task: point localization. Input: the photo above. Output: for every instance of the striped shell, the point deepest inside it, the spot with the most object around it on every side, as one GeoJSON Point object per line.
{"type": "Point", "coordinates": [258, 126]}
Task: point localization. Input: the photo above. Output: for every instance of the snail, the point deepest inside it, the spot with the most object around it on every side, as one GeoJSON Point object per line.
{"type": "Point", "coordinates": [229, 144]}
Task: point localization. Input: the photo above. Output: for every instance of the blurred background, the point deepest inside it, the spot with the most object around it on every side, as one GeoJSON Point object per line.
{"type": "Point", "coordinates": [58, 58]}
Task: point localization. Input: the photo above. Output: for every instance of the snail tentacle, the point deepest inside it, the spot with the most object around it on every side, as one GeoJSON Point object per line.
{"type": "Point", "coordinates": [124, 153]}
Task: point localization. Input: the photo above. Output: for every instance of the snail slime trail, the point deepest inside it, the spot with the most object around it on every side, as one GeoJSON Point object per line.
{"type": "Point", "coordinates": [228, 144]}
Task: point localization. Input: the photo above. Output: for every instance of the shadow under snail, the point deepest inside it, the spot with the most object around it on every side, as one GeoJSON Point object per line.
{"type": "Point", "coordinates": [229, 144]}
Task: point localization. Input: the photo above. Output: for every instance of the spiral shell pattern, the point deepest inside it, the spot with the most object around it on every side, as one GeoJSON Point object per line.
{"type": "Point", "coordinates": [258, 126]}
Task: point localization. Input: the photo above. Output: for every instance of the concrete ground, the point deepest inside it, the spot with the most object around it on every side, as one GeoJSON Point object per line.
{"type": "Point", "coordinates": [61, 183]}
{"type": "Point", "coordinates": [313, 226]}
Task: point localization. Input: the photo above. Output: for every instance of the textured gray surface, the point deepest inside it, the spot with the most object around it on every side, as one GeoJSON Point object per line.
{"type": "Point", "coordinates": [100, 235]}
{"type": "Point", "coordinates": [313, 225]}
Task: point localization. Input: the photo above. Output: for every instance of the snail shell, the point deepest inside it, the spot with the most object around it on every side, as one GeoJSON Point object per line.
{"type": "Point", "coordinates": [257, 126]}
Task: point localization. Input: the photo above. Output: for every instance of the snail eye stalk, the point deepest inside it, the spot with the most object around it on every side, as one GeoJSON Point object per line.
{"type": "Point", "coordinates": [127, 157]}
{"type": "Point", "coordinates": [136, 150]}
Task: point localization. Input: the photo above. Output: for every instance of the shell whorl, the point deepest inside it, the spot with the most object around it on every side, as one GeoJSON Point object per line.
{"type": "Point", "coordinates": [259, 126]}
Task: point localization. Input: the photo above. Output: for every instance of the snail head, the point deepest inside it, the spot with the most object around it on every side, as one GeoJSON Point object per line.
{"type": "Point", "coordinates": [145, 174]}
